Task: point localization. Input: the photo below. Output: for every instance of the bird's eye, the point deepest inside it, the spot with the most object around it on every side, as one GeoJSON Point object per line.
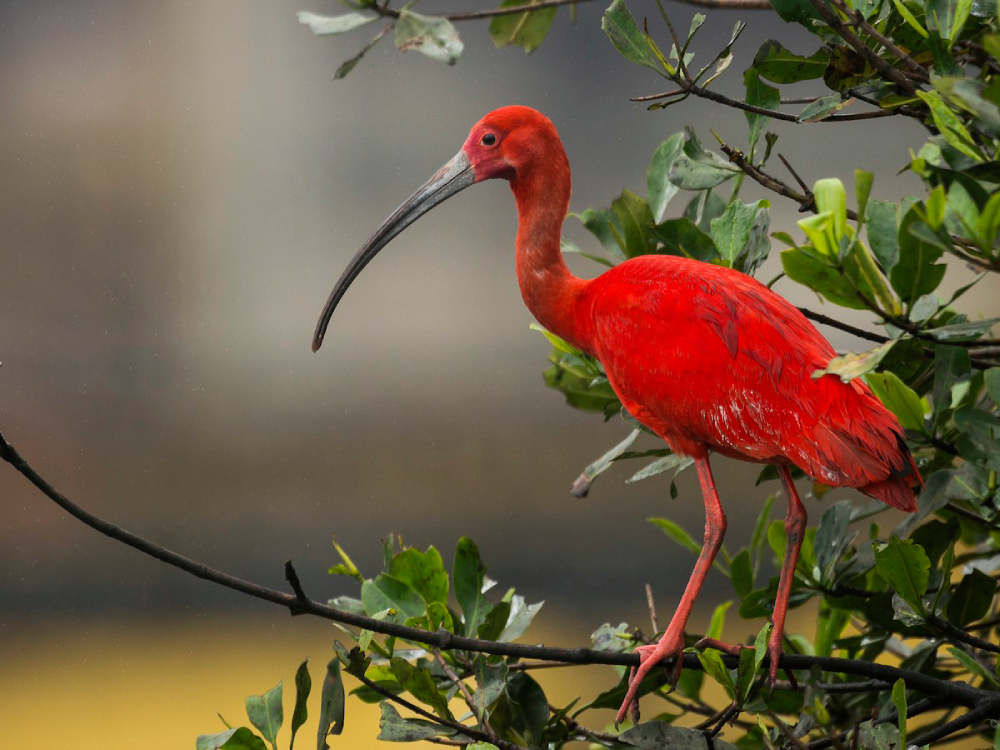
{"type": "Point", "coordinates": [489, 139]}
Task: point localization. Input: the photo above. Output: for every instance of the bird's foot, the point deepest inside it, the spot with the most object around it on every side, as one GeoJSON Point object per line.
{"type": "Point", "coordinates": [670, 646]}
{"type": "Point", "coordinates": [774, 655]}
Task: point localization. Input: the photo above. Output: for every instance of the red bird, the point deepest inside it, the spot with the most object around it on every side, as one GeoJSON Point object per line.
{"type": "Point", "coordinates": [705, 356]}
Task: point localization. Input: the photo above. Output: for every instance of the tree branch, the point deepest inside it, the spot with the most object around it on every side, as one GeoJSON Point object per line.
{"type": "Point", "coordinates": [952, 692]}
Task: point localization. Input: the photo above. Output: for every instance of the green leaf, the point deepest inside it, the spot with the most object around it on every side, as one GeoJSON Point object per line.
{"type": "Point", "coordinates": [852, 365]}
{"type": "Point", "coordinates": [676, 533]}
{"type": "Point", "coordinates": [820, 276]}
{"type": "Point", "coordinates": [529, 708]}
{"type": "Point", "coordinates": [420, 684]}
{"type": "Point", "coordinates": [433, 36]}
{"type": "Point", "coordinates": [740, 234]}
{"type": "Point", "coordinates": [348, 567]}
{"type": "Point", "coordinates": [905, 567]}
{"type": "Point", "coordinates": [232, 739]}
{"type": "Point", "coordinates": [846, 70]}
{"type": "Point", "coordinates": [527, 30]}
{"type": "Point", "coordinates": [602, 464]}
{"type": "Point", "coordinates": [862, 190]}
{"type": "Point", "coordinates": [759, 94]}
{"type": "Point", "coordinates": [899, 701]}
{"type": "Point", "coordinates": [394, 728]}
{"type": "Point", "coordinates": [711, 660]}
{"type": "Point", "coordinates": [697, 169]}
{"type": "Point", "coordinates": [490, 683]}
{"type": "Point", "coordinates": [967, 330]}
{"type": "Point", "coordinates": [741, 571]}
{"type": "Point", "coordinates": [910, 18]}
{"type": "Point", "coordinates": [778, 65]}
{"type": "Point", "coordinates": [718, 621]}
{"type": "Point", "coordinates": [655, 735]}
{"type": "Point", "coordinates": [632, 224]}
{"type": "Point", "coordinates": [975, 667]}
{"type": "Point", "coordinates": [303, 686]}
{"type": "Point", "coordinates": [796, 11]}
{"type": "Point", "coordinates": [467, 578]}
{"type": "Point", "coordinates": [832, 538]}
{"type": "Point", "coordinates": [334, 24]}
{"type": "Point", "coordinates": [972, 598]}
{"type": "Point", "coordinates": [331, 705]}
{"type": "Point", "coordinates": [626, 36]}
{"type": "Point", "coordinates": [386, 592]}
{"type": "Point", "coordinates": [521, 615]}
{"type": "Point", "coordinates": [659, 189]}
{"type": "Point", "coordinates": [661, 465]}
{"type": "Point", "coordinates": [424, 572]}
{"type": "Point", "coordinates": [898, 398]}
{"type": "Point", "coordinates": [683, 238]}
{"type": "Point", "coordinates": [266, 713]}
{"type": "Point", "coordinates": [992, 379]}
{"type": "Point", "coordinates": [882, 220]}
{"type": "Point", "coordinates": [950, 126]}
{"type": "Point", "coordinates": [822, 108]}
{"type": "Point", "coordinates": [947, 17]}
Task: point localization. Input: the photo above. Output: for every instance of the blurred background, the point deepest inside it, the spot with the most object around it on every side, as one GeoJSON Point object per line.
{"type": "Point", "coordinates": [182, 183]}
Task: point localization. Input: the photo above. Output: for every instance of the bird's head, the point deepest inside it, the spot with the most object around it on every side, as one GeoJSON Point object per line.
{"type": "Point", "coordinates": [509, 143]}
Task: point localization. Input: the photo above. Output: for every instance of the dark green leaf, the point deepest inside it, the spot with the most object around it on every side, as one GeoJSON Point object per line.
{"type": "Point", "coordinates": [741, 571]}
{"type": "Point", "coordinates": [992, 379]}
{"type": "Point", "coordinates": [796, 11]}
{"type": "Point", "coordinates": [494, 622]}
{"type": "Point", "coordinates": [303, 686]}
{"type": "Point", "coordinates": [266, 713]}
{"type": "Point", "coordinates": [632, 223]}
{"type": "Point", "coordinates": [822, 108]}
{"type": "Point", "coordinates": [846, 70]}
{"type": "Point", "coordinates": [490, 683]}
{"type": "Point", "coordinates": [972, 598]}
{"type": "Point", "coordinates": [832, 538]}
{"type": "Point", "coordinates": [899, 701]}
{"type": "Point", "coordinates": [394, 728]}
{"type": "Point", "coordinates": [711, 660]}
{"type": "Point", "coordinates": [420, 684]}
{"type": "Point", "coordinates": [467, 579]}
{"type": "Point", "coordinates": [975, 667]}
{"type": "Point", "coordinates": [331, 705]}
{"type": "Point", "coordinates": [904, 566]}
{"type": "Point", "coordinates": [821, 277]}
{"type": "Point", "coordinates": [778, 65]}
{"type": "Point", "coordinates": [697, 169]}
{"type": "Point", "coordinates": [529, 707]}
{"type": "Point", "coordinates": [682, 238]}
{"type": "Point", "coordinates": [527, 30]}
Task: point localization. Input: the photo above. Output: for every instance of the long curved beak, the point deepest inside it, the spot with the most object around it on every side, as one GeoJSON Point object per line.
{"type": "Point", "coordinates": [454, 176]}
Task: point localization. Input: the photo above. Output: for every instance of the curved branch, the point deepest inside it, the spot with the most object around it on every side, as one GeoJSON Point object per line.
{"type": "Point", "coordinates": [953, 692]}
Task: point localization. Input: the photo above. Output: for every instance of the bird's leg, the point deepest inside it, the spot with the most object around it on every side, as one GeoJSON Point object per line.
{"type": "Point", "coordinates": [671, 645]}
{"type": "Point", "coordinates": [795, 528]}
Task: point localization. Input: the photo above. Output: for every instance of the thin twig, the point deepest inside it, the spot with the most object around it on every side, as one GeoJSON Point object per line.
{"type": "Point", "coordinates": [652, 609]}
{"type": "Point", "coordinates": [783, 728]}
{"type": "Point", "coordinates": [957, 633]}
{"type": "Point", "coordinates": [977, 714]}
{"type": "Point", "coordinates": [888, 72]}
{"type": "Point", "coordinates": [463, 688]}
{"type": "Point", "coordinates": [802, 184]}
{"type": "Point", "coordinates": [917, 70]}
{"type": "Point", "coordinates": [953, 692]}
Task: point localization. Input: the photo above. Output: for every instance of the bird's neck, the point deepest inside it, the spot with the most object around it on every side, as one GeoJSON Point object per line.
{"type": "Point", "coordinates": [550, 291]}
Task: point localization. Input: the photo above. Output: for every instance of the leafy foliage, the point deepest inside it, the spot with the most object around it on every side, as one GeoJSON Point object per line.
{"type": "Point", "coordinates": [923, 590]}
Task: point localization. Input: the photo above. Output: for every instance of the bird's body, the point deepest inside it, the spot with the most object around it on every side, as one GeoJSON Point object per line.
{"type": "Point", "coordinates": [706, 357]}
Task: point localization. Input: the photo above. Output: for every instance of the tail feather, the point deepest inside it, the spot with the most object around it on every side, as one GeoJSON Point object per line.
{"type": "Point", "coordinates": [897, 489]}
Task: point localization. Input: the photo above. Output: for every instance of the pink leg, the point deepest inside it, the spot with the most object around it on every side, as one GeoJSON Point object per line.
{"type": "Point", "coordinates": [795, 527]}
{"type": "Point", "coordinates": [672, 642]}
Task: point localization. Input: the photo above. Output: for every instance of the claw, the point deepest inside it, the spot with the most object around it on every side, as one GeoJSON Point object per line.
{"type": "Point", "coordinates": [649, 657]}
{"type": "Point", "coordinates": [733, 649]}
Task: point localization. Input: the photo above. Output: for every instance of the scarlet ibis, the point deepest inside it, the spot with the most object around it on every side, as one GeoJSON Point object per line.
{"type": "Point", "coordinates": [705, 356]}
